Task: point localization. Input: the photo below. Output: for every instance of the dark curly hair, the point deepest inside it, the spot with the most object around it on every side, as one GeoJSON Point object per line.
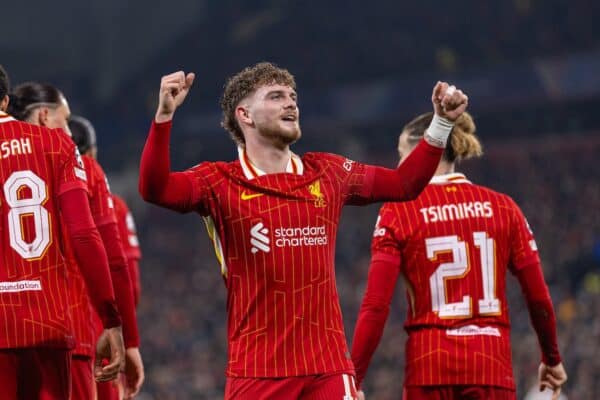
{"type": "Point", "coordinates": [25, 97]}
{"type": "Point", "coordinates": [245, 83]}
{"type": "Point", "coordinates": [4, 83]}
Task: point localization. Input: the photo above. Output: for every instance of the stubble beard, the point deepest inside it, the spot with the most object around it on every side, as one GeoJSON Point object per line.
{"type": "Point", "coordinates": [284, 137]}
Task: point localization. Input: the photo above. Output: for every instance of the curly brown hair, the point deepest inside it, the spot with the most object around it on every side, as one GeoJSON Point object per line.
{"type": "Point", "coordinates": [245, 83]}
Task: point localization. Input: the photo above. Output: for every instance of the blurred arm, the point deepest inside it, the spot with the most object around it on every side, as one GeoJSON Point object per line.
{"type": "Point", "coordinates": [90, 255]}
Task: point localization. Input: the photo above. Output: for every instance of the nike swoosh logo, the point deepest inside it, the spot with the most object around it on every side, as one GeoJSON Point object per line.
{"type": "Point", "coordinates": [248, 196]}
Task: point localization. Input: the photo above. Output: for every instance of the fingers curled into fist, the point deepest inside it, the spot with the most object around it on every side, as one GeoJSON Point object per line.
{"type": "Point", "coordinates": [448, 101]}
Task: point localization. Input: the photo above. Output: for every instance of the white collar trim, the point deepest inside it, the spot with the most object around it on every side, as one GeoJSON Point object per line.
{"type": "Point", "coordinates": [5, 117]}
{"type": "Point", "coordinates": [454, 177]}
{"type": "Point", "coordinates": [251, 170]}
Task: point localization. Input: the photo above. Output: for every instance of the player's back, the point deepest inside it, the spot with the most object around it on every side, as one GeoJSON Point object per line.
{"type": "Point", "coordinates": [456, 242]}
{"type": "Point", "coordinates": [33, 288]}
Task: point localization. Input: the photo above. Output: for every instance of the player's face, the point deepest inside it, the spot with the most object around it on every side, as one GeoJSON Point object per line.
{"type": "Point", "coordinates": [58, 117]}
{"type": "Point", "coordinates": [275, 114]}
{"type": "Point", "coordinates": [404, 148]}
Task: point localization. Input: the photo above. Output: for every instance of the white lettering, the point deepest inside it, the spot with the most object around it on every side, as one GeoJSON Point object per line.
{"type": "Point", "coordinates": [15, 147]}
{"type": "Point", "coordinates": [454, 212]}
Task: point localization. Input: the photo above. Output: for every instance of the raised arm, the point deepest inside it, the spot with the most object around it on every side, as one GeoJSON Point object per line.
{"type": "Point", "coordinates": [157, 183]}
{"type": "Point", "coordinates": [408, 180]}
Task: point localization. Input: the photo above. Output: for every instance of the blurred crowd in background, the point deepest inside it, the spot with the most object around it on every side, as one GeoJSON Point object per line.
{"type": "Point", "coordinates": [530, 68]}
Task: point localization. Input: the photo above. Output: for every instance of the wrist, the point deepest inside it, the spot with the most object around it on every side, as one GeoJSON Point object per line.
{"type": "Point", "coordinates": [438, 131]}
{"type": "Point", "coordinates": [163, 117]}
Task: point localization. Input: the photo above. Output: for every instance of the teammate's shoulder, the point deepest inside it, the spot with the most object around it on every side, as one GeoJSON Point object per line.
{"type": "Point", "coordinates": [55, 137]}
{"type": "Point", "coordinates": [25, 128]}
{"type": "Point", "coordinates": [118, 199]}
{"type": "Point", "coordinates": [498, 196]}
{"type": "Point", "coordinates": [392, 207]}
{"type": "Point", "coordinates": [120, 205]}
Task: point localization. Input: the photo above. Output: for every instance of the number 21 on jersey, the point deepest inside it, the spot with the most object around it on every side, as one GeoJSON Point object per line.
{"type": "Point", "coordinates": [458, 268]}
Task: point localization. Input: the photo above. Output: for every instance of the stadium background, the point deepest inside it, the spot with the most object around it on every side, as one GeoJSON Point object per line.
{"type": "Point", "coordinates": [530, 67]}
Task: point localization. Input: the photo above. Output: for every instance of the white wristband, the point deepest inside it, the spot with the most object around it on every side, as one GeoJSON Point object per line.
{"type": "Point", "coordinates": [438, 131]}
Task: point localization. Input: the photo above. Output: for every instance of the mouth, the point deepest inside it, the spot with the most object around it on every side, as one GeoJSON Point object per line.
{"type": "Point", "coordinates": [290, 117]}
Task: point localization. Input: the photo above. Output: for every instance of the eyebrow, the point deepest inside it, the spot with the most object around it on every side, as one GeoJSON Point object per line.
{"type": "Point", "coordinates": [279, 91]}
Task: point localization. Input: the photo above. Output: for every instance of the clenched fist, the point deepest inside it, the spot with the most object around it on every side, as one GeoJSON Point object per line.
{"type": "Point", "coordinates": [173, 90]}
{"type": "Point", "coordinates": [448, 101]}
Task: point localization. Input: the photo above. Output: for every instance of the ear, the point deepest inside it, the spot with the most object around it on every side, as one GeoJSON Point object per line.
{"type": "Point", "coordinates": [242, 114]}
{"type": "Point", "coordinates": [42, 117]}
{"type": "Point", "coordinates": [4, 103]}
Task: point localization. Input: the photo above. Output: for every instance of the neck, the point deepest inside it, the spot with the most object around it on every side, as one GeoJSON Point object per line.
{"type": "Point", "coordinates": [444, 168]}
{"type": "Point", "coordinates": [268, 157]}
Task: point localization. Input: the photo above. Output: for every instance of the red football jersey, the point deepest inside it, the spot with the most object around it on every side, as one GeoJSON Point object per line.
{"type": "Point", "coordinates": [36, 166]}
{"type": "Point", "coordinates": [453, 245]}
{"type": "Point", "coordinates": [82, 311]}
{"type": "Point", "coordinates": [127, 229]}
{"type": "Point", "coordinates": [274, 235]}
{"type": "Point", "coordinates": [130, 243]}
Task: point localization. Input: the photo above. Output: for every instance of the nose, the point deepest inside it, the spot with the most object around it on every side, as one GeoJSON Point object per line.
{"type": "Point", "coordinates": [290, 103]}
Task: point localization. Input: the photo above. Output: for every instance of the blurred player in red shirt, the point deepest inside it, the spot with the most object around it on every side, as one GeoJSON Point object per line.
{"type": "Point", "coordinates": [33, 103]}
{"type": "Point", "coordinates": [44, 192]}
{"type": "Point", "coordinates": [273, 218]}
{"type": "Point", "coordinates": [131, 244]}
{"type": "Point", "coordinates": [84, 136]}
{"type": "Point", "coordinates": [453, 246]}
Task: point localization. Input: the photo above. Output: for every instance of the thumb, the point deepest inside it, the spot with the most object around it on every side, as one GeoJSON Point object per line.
{"type": "Point", "coordinates": [189, 80]}
{"type": "Point", "coordinates": [98, 366]}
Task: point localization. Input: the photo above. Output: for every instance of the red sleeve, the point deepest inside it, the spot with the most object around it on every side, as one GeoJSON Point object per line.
{"type": "Point", "coordinates": [101, 202]}
{"type": "Point", "coordinates": [119, 272]}
{"type": "Point", "coordinates": [374, 311]}
{"type": "Point", "coordinates": [541, 311]}
{"type": "Point", "coordinates": [408, 180]}
{"type": "Point", "coordinates": [157, 183]}
{"type": "Point", "coordinates": [134, 274]}
{"type": "Point", "coordinates": [90, 256]}
{"type": "Point", "coordinates": [523, 248]}
{"type": "Point", "coordinates": [70, 171]}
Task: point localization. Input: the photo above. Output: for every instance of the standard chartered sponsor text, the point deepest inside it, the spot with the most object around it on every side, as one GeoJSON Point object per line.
{"type": "Point", "coordinates": [305, 236]}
